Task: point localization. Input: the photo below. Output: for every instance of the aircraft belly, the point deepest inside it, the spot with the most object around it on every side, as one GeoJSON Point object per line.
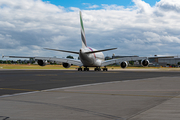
{"type": "Point", "coordinates": [86, 60]}
{"type": "Point", "coordinates": [96, 63]}
{"type": "Point", "coordinates": [91, 60]}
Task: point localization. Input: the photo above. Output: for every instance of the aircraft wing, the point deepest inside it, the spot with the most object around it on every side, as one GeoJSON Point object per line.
{"type": "Point", "coordinates": [65, 60]}
{"type": "Point", "coordinates": [119, 60]}
{"type": "Point", "coordinates": [162, 57]}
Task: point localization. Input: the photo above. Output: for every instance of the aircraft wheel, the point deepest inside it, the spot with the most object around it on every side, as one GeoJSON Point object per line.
{"type": "Point", "coordinates": [86, 69]}
{"type": "Point", "coordinates": [105, 69]}
{"type": "Point", "coordinates": [97, 69]}
{"type": "Point", "coordinates": [79, 69]}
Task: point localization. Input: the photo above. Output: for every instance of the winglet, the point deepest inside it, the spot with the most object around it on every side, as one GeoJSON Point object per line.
{"type": "Point", "coordinates": [83, 37]}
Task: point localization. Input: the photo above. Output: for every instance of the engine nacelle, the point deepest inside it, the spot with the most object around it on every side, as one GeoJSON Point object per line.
{"type": "Point", "coordinates": [66, 65]}
{"type": "Point", "coordinates": [42, 62]}
{"type": "Point", "coordinates": [145, 62]}
{"type": "Point", "coordinates": [124, 64]}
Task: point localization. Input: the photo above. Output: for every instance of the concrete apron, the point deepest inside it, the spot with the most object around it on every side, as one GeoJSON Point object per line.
{"type": "Point", "coordinates": [145, 99]}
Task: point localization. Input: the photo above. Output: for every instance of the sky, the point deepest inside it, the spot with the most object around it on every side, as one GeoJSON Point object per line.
{"type": "Point", "coordinates": [135, 27]}
{"type": "Point", "coordinates": [84, 4]}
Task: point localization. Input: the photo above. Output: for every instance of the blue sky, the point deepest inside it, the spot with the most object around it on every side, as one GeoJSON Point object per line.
{"type": "Point", "coordinates": [79, 3]}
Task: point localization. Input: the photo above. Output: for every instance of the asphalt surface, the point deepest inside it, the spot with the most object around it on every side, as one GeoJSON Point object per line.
{"type": "Point", "coordinates": [18, 81]}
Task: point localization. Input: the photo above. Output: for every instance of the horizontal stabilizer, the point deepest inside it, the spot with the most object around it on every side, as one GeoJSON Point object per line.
{"type": "Point", "coordinates": [62, 50]}
{"type": "Point", "coordinates": [100, 50]}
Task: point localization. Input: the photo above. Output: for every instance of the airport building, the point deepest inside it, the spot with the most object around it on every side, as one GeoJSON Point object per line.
{"type": "Point", "coordinates": [168, 61]}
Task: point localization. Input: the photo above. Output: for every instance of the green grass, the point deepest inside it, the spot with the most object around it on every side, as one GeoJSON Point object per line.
{"type": "Point", "coordinates": [19, 66]}
{"type": "Point", "coordinates": [59, 67]}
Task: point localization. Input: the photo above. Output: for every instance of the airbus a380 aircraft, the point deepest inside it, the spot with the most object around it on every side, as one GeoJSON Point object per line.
{"type": "Point", "coordinates": [89, 57]}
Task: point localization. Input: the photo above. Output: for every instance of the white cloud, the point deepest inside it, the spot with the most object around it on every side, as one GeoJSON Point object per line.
{"type": "Point", "coordinates": [90, 5]}
{"type": "Point", "coordinates": [27, 26]}
{"type": "Point", "coordinates": [112, 7]}
{"type": "Point", "coordinates": [94, 6]}
{"type": "Point", "coordinates": [142, 6]}
{"type": "Point", "coordinates": [169, 5]}
{"type": "Point", "coordinates": [74, 9]}
{"type": "Point", "coordinates": [8, 42]}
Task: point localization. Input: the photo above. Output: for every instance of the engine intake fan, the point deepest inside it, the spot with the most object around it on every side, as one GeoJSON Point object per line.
{"type": "Point", "coordinates": [145, 63]}
{"type": "Point", "coordinates": [124, 64]}
{"type": "Point", "coordinates": [42, 62]}
{"type": "Point", "coordinates": [66, 65]}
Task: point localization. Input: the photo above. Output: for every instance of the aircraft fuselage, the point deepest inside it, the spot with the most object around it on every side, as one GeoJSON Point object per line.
{"type": "Point", "coordinates": [92, 59]}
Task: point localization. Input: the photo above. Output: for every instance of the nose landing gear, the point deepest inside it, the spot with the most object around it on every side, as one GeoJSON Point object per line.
{"type": "Point", "coordinates": [97, 69]}
{"type": "Point", "coordinates": [86, 69]}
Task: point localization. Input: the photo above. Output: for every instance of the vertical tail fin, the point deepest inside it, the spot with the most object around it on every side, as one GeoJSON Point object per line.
{"type": "Point", "coordinates": [83, 37]}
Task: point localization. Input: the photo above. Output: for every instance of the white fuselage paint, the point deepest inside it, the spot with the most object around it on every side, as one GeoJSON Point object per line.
{"type": "Point", "coordinates": [91, 60]}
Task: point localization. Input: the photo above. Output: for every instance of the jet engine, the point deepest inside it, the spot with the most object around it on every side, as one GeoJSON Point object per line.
{"type": "Point", "coordinates": [124, 64]}
{"type": "Point", "coordinates": [42, 62]}
{"type": "Point", "coordinates": [145, 62]}
{"type": "Point", "coordinates": [66, 65]}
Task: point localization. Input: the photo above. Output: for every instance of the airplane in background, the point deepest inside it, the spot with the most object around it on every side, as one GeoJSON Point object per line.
{"type": "Point", "coordinates": [89, 57]}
